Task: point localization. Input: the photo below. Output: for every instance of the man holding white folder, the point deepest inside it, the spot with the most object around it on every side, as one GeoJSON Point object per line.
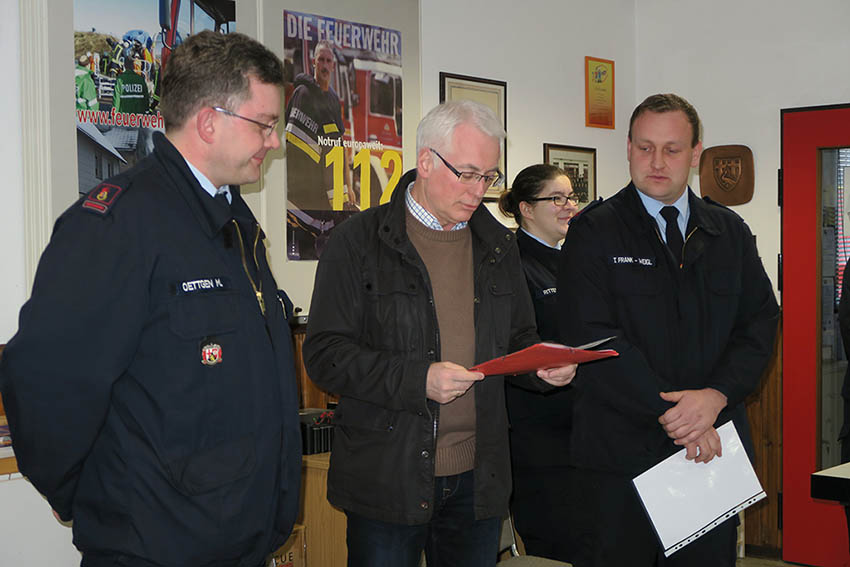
{"type": "Point", "coordinates": [679, 281]}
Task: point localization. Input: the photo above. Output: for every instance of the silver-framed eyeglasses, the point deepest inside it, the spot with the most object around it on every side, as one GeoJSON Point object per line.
{"type": "Point", "coordinates": [266, 129]}
{"type": "Point", "coordinates": [559, 200]}
{"type": "Point", "coordinates": [471, 177]}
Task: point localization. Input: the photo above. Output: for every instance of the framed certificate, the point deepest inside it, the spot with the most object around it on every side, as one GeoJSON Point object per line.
{"type": "Point", "coordinates": [489, 92]}
{"type": "Point", "coordinates": [598, 93]}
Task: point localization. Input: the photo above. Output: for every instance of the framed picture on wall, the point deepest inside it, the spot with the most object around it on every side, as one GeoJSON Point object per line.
{"type": "Point", "coordinates": [580, 165]}
{"type": "Point", "coordinates": [489, 92]}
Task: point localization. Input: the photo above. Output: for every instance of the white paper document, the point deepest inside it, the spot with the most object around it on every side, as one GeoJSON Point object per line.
{"type": "Point", "coordinates": [684, 499]}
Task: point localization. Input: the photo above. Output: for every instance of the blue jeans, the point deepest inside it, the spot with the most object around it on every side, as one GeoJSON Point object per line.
{"type": "Point", "coordinates": [453, 537]}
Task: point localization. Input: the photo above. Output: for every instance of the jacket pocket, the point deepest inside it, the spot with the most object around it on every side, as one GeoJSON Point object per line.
{"type": "Point", "coordinates": [724, 282]}
{"type": "Point", "coordinates": [355, 413]}
{"type": "Point", "coordinates": [196, 316]}
{"type": "Point", "coordinates": [394, 302]}
{"type": "Point", "coordinates": [213, 468]}
{"type": "Point", "coordinates": [634, 280]}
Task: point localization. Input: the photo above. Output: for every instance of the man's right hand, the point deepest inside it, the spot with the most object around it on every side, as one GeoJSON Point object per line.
{"type": "Point", "coordinates": [446, 381]}
{"type": "Point", "coordinates": [705, 448]}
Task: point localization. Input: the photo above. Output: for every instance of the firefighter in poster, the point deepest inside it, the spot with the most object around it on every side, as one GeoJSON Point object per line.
{"type": "Point", "coordinates": [343, 124]}
{"type": "Point", "coordinates": [313, 126]}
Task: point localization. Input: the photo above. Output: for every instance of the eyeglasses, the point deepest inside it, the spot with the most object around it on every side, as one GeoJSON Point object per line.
{"type": "Point", "coordinates": [266, 129]}
{"type": "Point", "coordinates": [559, 200]}
{"type": "Point", "coordinates": [470, 177]}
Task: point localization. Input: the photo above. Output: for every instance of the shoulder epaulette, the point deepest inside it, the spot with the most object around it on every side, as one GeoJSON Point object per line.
{"type": "Point", "coordinates": [591, 205]}
{"type": "Point", "coordinates": [101, 199]}
{"type": "Point", "coordinates": [711, 201]}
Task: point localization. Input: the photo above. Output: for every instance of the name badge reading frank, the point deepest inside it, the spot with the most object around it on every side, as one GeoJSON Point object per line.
{"type": "Point", "coordinates": [210, 353]}
{"type": "Point", "coordinates": [632, 260]}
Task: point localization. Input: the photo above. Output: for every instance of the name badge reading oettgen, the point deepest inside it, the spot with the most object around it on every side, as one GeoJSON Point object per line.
{"type": "Point", "coordinates": [632, 260]}
{"type": "Point", "coordinates": [201, 285]}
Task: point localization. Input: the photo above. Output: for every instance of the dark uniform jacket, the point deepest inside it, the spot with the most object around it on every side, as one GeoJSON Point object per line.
{"type": "Point", "coordinates": [540, 422]}
{"type": "Point", "coordinates": [149, 399]}
{"type": "Point", "coordinates": [710, 324]}
{"type": "Point", "coordinates": [371, 337]}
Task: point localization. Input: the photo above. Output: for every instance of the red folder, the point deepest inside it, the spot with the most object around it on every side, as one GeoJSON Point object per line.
{"type": "Point", "coordinates": [541, 356]}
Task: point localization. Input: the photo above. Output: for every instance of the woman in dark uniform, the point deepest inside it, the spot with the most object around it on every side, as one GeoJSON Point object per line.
{"type": "Point", "coordinates": [542, 202]}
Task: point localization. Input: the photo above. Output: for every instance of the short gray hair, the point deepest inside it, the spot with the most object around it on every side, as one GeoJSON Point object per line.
{"type": "Point", "coordinates": [438, 126]}
{"type": "Point", "coordinates": [323, 44]}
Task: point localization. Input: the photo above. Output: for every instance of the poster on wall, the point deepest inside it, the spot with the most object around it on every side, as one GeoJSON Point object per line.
{"type": "Point", "coordinates": [343, 124]}
{"type": "Point", "coordinates": [121, 48]}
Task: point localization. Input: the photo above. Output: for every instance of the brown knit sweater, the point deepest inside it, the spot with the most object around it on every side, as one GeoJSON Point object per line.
{"type": "Point", "coordinates": [448, 258]}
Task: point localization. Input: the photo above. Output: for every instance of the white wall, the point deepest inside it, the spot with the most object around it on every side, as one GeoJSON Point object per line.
{"type": "Point", "coordinates": [12, 287]}
{"type": "Point", "coordinates": [739, 63]}
{"type": "Point", "coordinates": [538, 48]}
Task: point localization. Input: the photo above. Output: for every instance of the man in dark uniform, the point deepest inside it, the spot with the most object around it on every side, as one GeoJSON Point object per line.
{"type": "Point", "coordinates": [314, 127]}
{"type": "Point", "coordinates": [679, 282]}
{"type": "Point", "coordinates": [150, 388]}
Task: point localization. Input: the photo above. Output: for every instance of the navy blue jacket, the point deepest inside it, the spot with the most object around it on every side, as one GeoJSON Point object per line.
{"type": "Point", "coordinates": [148, 397]}
{"type": "Point", "coordinates": [540, 422]}
{"type": "Point", "coordinates": [710, 324]}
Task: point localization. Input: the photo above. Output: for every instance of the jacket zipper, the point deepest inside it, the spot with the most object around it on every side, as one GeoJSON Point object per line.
{"type": "Point", "coordinates": [658, 234]}
{"type": "Point", "coordinates": [258, 291]}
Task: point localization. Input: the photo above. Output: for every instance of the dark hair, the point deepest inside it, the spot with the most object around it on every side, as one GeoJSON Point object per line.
{"type": "Point", "coordinates": [669, 103]}
{"type": "Point", "coordinates": [213, 69]}
{"type": "Point", "coordinates": [527, 184]}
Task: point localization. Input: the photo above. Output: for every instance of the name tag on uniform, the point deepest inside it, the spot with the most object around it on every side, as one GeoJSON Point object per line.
{"type": "Point", "coordinates": [201, 285]}
{"type": "Point", "coordinates": [632, 261]}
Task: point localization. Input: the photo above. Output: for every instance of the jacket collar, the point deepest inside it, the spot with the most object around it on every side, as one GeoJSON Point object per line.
{"type": "Point", "coordinates": [482, 224]}
{"type": "Point", "coordinates": [210, 214]}
{"type": "Point", "coordinates": [701, 214]}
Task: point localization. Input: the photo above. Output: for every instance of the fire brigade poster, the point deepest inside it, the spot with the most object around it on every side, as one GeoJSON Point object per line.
{"type": "Point", "coordinates": [343, 124]}
{"type": "Point", "coordinates": [598, 92]}
{"type": "Point", "coordinates": [120, 49]}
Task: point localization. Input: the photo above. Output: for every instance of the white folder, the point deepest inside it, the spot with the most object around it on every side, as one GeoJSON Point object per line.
{"type": "Point", "coordinates": [685, 500]}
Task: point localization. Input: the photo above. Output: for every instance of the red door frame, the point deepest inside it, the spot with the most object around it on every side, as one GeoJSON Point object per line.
{"type": "Point", "coordinates": [814, 531]}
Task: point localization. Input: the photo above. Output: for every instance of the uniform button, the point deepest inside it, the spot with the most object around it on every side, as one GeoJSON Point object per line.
{"type": "Point", "coordinates": [476, 300]}
{"type": "Point", "coordinates": [498, 250]}
{"type": "Point", "coordinates": [389, 428]}
{"type": "Point", "coordinates": [431, 353]}
{"type": "Point", "coordinates": [508, 237]}
{"type": "Point", "coordinates": [425, 454]}
{"type": "Point", "coordinates": [420, 414]}
{"type": "Point", "coordinates": [492, 260]}
{"type": "Point", "coordinates": [423, 505]}
{"type": "Point", "coordinates": [493, 288]}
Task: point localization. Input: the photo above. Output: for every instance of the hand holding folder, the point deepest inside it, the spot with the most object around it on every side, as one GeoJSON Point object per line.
{"type": "Point", "coordinates": [542, 356]}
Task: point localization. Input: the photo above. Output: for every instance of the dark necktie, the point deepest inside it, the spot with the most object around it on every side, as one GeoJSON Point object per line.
{"type": "Point", "coordinates": [674, 236]}
{"type": "Point", "coordinates": [221, 198]}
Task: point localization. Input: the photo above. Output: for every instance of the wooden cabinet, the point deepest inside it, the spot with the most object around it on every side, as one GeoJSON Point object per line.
{"type": "Point", "coordinates": [324, 524]}
{"type": "Point", "coordinates": [309, 395]}
{"type": "Point", "coordinates": [8, 465]}
{"type": "Point", "coordinates": [764, 409]}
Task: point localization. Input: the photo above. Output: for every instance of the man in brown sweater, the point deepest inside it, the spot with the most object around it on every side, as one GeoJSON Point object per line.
{"type": "Point", "coordinates": [408, 296]}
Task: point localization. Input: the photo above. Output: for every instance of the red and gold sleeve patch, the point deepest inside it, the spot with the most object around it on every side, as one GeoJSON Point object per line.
{"type": "Point", "coordinates": [101, 198]}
